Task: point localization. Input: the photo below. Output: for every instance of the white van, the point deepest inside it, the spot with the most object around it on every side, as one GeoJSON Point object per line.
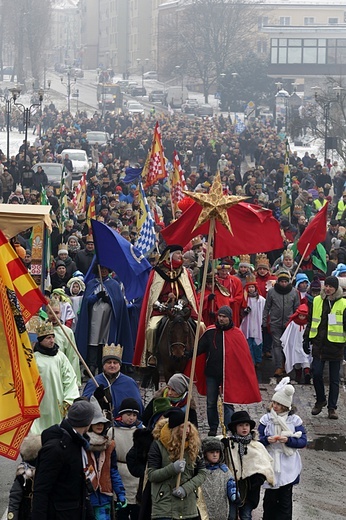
{"type": "Point", "coordinates": [79, 160]}
{"type": "Point", "coordinates": [176, 96]}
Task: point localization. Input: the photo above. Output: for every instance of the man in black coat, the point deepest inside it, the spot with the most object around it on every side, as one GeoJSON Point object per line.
{"type": "Point", "coordinates": [85, 257]}
{"type": "Point", "coordinates": [61, 483]}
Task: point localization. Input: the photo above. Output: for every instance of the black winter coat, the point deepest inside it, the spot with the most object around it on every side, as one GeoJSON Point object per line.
{"type": "Point", "coordinates": [60, 489]}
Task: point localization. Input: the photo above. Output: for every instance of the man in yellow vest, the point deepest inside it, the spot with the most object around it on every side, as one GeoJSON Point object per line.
{"type": "Point", "coordinates": [326, 331]}
{"type": "Point", "coordinates": [340, 208]}
{"type": "Point", "coordinates": [320, 202]}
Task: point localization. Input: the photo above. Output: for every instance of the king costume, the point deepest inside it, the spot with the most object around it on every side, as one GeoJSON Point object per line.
{"type": "Point", "coordinates": [104, 318]}
{"type": "Point", "coordinates": [167, 278]}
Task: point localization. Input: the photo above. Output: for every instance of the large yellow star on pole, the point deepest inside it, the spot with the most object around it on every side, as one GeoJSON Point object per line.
{"type": "Point", "coordinates": [215, 204]}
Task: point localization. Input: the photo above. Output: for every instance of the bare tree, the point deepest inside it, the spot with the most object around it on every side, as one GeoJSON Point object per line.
{"type": "Point", "coordinates": [25, 26]}
{"type": "Point", "coordinates": [331, 120]}
{"type": "Point", "coordinates": [206, 37]}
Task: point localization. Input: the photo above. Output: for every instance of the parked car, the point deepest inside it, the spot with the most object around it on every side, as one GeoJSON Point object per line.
{"type": "Point", "coordinates": [204, 110]}
{"type": "Point", "coordinates": [79, 160]}
{"type": "Point", "coordinates": [190, 106]}
{"type": "Point", "coordinates": [93, 137]}
{"type": "Point", "coordinates": [77, 73]}
{"type": "Point", "coordinates": [133, 107]}
{"type": "Point", "coordinates": [157, 96]}
{"type": "Point", "coordinates": [151, 74]}
{"type": "Point", "coordinates": [54, 174]}
{"type": "Point", "coordinates": [138, 91]}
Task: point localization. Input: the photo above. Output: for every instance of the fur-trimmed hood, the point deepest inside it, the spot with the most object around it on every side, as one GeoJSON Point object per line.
{"type": "Point", "coordinates": [98, 442]}
{"type": "Point", "coordinates": [336, 296]}
{"type": "Point", "coordinates": [30, 447]}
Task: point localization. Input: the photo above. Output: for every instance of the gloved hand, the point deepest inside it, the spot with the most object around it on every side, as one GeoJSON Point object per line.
{"type": "Point", "coordinates": [211, 297]}
{"type": "Point", "coordinates": [306, 346]}
{"type": "Point", "coordinates": [237, 500]}
{"type": "Point", "coordinates": [179, 466]}
{"type": "Point", "coordinates": [179, 492]}
{"type": "Point", "coordinates": [188, 354]}
{"type": "Point", "coordinates": [103, 296]}
{"type": "Point", "coordinates": [225, 441]}
{"type": "Point", "coordinates": [121, 504]}
{"type": "Point", "coordinates": [99, 393]}
{"type": "Point", "coordinates": [212, 316]}
{"type": "Point", "coordinates": [247, 310]}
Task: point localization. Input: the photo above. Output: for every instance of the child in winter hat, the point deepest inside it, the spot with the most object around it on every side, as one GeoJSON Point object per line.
{"type": "Point", "coordinates": [219, 488]}
{"type": "Point", "coordinates": [283, 434]}
{"type": "Point", "coordinates": [296, 350]}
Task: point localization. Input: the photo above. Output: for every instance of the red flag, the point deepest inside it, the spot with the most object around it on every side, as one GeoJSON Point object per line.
{"type": "Point", "coordinates": [29, 295]}
{"type": "Point", "coordinates": [314, 233]}
{"type": "Point", "coordinates": [254, 230]}
{"type": "Point", "coordinates": [178, 182]}
{"type": "Point", "coordinates": [91, 212]}
{"type": "Point", "coordinates": [79, 198]}
{"type": "Point", "coordinates": [155, 167]}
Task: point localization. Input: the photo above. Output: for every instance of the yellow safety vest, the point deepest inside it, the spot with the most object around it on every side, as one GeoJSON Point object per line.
{"type": "Point", "coordinates": [318, 204]}
{"type": "Point", "coordinates": [335, 333]}
{"type": "Point", "coordinates": [341, 209]}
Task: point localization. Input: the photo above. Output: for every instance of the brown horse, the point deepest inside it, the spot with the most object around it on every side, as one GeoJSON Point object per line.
{"type": "Point", "coordinates": [175, 337]}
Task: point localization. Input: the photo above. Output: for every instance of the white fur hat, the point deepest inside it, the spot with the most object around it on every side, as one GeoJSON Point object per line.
{"type": "Point", "coordinates": [284, 393]}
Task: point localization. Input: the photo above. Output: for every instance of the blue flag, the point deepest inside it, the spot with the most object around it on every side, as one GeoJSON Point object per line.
{"type": "Point", "coordinates": [132, 174]}
{"type": "Point", "coordinates": [117, 253]}
{"type": "Point", "coordinates": [145, 225]}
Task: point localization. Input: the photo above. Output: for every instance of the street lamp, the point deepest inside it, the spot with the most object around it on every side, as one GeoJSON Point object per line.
{"type": "Point", "coordinates": [325, 104]}
{"type": "Point", "coordinates": [138, 63]}
{"type": "Point", "coordinates": [179, 70]}
{"type": "Point", "coordinates": [68, 87]}
{"type": "Point", "coordinates": [44, 89]}
{"type": "Point", "coordinates": [26, 117]}
{"type": "Point", "coordinates": [8, 100]}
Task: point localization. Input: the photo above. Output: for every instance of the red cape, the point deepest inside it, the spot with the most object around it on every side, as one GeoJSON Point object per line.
{"type": "Point", "coordinates": [240, 385]}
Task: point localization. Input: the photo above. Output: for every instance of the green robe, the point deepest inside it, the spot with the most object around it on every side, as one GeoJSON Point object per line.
{"type": "Point", "coordinates": [60, 384]}
{"type": "Point", "coordinates": [65, 347]}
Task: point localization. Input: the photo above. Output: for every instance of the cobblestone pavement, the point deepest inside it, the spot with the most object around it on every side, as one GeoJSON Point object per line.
{"type": "Point", "coordinates": [321, 492]}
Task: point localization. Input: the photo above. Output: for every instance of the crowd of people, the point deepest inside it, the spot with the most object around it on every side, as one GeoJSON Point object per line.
{"type": "Point", "coordinates": [271, 306]}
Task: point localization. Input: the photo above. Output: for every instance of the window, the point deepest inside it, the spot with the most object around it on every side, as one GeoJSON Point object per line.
{"type": "Point", "coordinates": [285, 20]}
{"type": "Point", "coordinates": [262, 21]}
{"type": "Point", "coordinates": [333, 21]}
{"type": "Point", "coordinates": [309, 20]}
{"type": "Point", "coordinates": [262, 46]}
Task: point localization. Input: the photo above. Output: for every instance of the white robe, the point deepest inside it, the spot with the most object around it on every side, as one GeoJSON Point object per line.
{"type": "Point", "coordinates": [292, 344]}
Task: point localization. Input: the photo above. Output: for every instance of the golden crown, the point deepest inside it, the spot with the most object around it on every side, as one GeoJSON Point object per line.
{"type": "Point", "coordinates": [196, 241]}
{"type": "Point", "coordinates": [287, 254]}
{"type": "Point", "coordinates": [244, 259]}
{"type": "Point", "coordinates": [262, 260]}
{"type": "Point", "coordinates": [45, 329]}
{"type": "Point", "coordinates": [113, 350]}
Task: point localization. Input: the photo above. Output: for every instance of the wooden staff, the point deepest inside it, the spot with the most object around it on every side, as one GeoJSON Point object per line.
{"type": "Point", "coordinates": [300, 261]}
{"type": "Point", "coordinates": [72, 345]}
{"type": "Point", "coordinates": [195, 345]}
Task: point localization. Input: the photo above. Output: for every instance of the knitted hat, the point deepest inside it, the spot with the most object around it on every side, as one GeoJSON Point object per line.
{"type": "Point", "coordinates": [161, 405]}
{"type": "Point", "coordinates": [179, 383]}
{"type": "Point", "coordinates": [211, 444]}
{"type": "Point", "coordinates": [340, 268]}
{"type": "Point", "coordinates": [129, 405]}
{"type": "Point", "coordinates": [315, 284]}
{"type": "Point", "coordinates": [283, 275]}
{"type": "Point", "coordinates": [80, 414]}
{"type": "Point", "coordinates": [176, 417]}
{"type": "Point", "coordinates": [59, 263]}
{"type": "Point", "coordinates": [244, 261]}
{"type": "Point", "coordinates": [284, 393]}
{"type": "Point", "coordinates": [332, 281]}
{"type": "Point", "coordinates": [301, 277]}
{"type": "Point", "coordinates": [227, 311]}
{"type": "Point", "coordinates": [241, 417]}
{"type": "Point", "coordinates": [98, 414]}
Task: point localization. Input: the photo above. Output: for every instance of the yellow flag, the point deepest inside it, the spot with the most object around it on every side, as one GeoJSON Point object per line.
{"type": "Point", "coordinates": [21, 388]}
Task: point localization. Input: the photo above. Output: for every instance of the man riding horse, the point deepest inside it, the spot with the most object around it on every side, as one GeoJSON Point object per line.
{"type": "Point", "coordinates": [169, 287]}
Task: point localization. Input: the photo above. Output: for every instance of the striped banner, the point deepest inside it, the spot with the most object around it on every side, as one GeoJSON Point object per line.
{"type": "Point", "coordinates": [155, 166]}
{"type": "Point", "coordinates": [286, 198]}
{"type": "Point", "coordinates": [29, 295]}
{"type": "Point", "coordinates": [178, 183]}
